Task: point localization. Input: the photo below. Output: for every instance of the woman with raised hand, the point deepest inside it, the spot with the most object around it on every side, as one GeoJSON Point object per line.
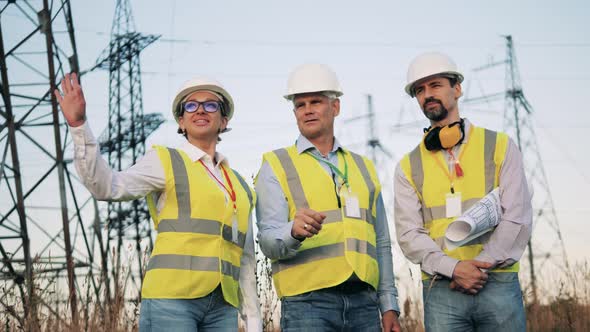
{"type": "Point", "coordinates": [202, 268]}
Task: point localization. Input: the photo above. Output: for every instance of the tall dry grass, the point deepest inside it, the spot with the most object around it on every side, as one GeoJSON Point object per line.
{"type": "Point", "coordinates": [565, 309]}
{"type": "Point", "coordinates": [49, 310]}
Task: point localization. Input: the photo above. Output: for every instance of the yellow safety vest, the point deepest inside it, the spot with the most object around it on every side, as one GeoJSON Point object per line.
{"type": "Point", "coordinates": [481, 161]}
{"type": "Point", "coordinates": [344, 245]}
{"type": "Point", "coordinates": [196, 248]}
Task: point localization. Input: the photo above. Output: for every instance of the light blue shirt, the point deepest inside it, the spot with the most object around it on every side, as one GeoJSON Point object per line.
{"type": "Point", "coordinates": [274, 227]}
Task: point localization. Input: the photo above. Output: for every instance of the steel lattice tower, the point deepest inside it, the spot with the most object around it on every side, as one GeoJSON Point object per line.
{"type": "Point", "coordinates": [47, 229]}
{"type": "Point", "coordinates": [542, 255]}
{"type": "Point", "coordinates": [518, 123]}
{"type": "Point", "coordinates": [124, 141]}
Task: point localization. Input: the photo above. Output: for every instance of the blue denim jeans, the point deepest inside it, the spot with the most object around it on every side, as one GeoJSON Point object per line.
{"type": "Point", "coordinates": [497, 307]}
{"type": "Point", "coordinates": [208, 313]}
{"type": "Point", "coordinates": [339, 308]}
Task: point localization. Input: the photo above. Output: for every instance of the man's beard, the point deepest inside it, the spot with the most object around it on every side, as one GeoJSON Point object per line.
{"type": "Point", "coordinates": [435, 115]}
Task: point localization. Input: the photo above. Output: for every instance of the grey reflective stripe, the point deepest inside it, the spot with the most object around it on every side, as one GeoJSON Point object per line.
{"type": "Point", "coordinates": [440, 212]}
{"type": "Point", "coordinates": [429, 213]}
{"type": "Point", "coordinates": [336, 215]}
{"type": "Point", "coordinates": [332, 216]}
{"type": "Point", "coordinates": [183, 195]}
{"type": "Point", "coordinates": [231, 270]}
{"type": "Point", "coordinates": [324, 252]}
{"type": "Point", "coordinates": [309, 255]}
{"type": "Point", "coordinates": [227, 236]}
{"type": "Point", "coordinates": [366, 215]}
{"type": "Point", "coordinates": [296, 188]}
{"type": "Point", "coordinates": [293, 180]}
{"type": "Point", "coordinates": [203, 226]}
{"type": "Point", "coordinates": [245, 186]}
{"type": "Point", "coordinates": [490, 165]}
{"type": "Point", "coordinates": [362, 247]}
{"type": "Point", "coordinates": [227, 231]}
{"type": "Point", "coordinates": [360, 163]}
{"type": "Point", "coordinates": [183, 262]}
{"type": "Point", "coordinates": [186, 224]}
{"type": "Point", "coordinates": [417, 170]}
{"type": "Point", "coordinates": [193, 263]}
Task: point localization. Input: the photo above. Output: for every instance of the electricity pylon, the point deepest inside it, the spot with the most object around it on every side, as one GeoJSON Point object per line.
{"type": "Point", "coordinates": [124, 141]}
{"type": "Point", "coordinates": [518, 123]}
{"type": "Point", "coordinates": [47, 239]}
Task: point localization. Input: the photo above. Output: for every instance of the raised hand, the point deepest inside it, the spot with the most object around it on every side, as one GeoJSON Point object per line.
{"type": "Point", "coordinates": [72, 102]}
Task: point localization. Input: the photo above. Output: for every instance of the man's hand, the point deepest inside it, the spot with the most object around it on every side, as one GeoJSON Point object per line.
{"type": "Point", "coordinates": [468, 277]}
{"type": "Point", "coordinates": [72, 103]}
{"type": "Point", "coordinates": [390, 322]}
{"type": "Point", "coordinates": [307, 223]}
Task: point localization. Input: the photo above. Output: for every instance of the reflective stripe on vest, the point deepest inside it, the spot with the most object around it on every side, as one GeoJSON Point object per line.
{"type": "Point", "coordinates": [368, 182]}
{"type": "Point", "coordinates": [193, 263]}
{"type": "Point", "coordinates": [345, 245]}
{"type": "Point", "coordinates": [202, 226]}
{"type": "Point", "coordinates": [438, 212]}
{"type": "Point", "coordinates": [323, 252]}
{"type": "Point", "coordinates": [435, 220]}
{"type": "Point", "coordinates": [299, 196]}
{"type": "Point", "coordinates": [185, 223]}
{"type": "Point", "coordinates": [246, 187]}
{"type": "Point", "coordinates": [292, 178]}
{"type": "Point", "coordinates": [192, 254]}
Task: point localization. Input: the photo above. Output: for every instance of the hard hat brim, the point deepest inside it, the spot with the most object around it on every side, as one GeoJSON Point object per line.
{"type": "Point", "coordinates": [409, 87]}
{"type": "Point", "coordinates": [228, 101]}
{"type": "Point", "coordinates": [290, 96]}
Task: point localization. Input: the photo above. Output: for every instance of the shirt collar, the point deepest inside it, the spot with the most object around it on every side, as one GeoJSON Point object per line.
{"type": "Point", "coordinates": [467, 127]}
{"type": "Point", "coordinates": [195, 154]}
{"type": "Point", "coordinates": [303, 144]}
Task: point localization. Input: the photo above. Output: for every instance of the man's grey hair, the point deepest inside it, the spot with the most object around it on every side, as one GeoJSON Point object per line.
{"type": "Point", "coordinates": [330, 94]}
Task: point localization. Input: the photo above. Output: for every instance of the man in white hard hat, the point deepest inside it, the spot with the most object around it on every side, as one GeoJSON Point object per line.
{"type": "Point", "coordinates": [202, 266]}
{"type": "Point", "coordinates": [322, 222]}
{"type": "Point", "coordinates": [474, 287]}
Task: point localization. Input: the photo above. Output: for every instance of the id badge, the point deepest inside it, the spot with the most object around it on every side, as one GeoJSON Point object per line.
{"type": "Point", "coordinates": [234, 228]}
{"type": "Point", "coordinates": [453, 205]}
{"type": "Point", "coordinates": [351, 204]}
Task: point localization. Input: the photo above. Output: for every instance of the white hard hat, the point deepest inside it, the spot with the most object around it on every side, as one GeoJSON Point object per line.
{"type": "Point", "coordinates": [430, 64]}
{"type": "Point", "coordinates": [203, 84]}
{"type": "Point", "coordinates": [312, 77]}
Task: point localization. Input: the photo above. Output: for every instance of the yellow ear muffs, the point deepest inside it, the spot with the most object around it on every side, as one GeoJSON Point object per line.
{"type": "Point", "coordinates": [437, 138]}
{"type": "Point", "coordinates": [450, 135]}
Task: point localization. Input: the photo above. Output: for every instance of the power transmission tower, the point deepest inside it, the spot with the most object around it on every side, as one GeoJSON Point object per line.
{"type": "Point", "coordinates": [124, 141]}
{"type": "Point", "coordinates": [518, 123]}
{"type": "Point", "coordinates": [47, 238]}
{"type": "Point", "coordinates": [373, 142]}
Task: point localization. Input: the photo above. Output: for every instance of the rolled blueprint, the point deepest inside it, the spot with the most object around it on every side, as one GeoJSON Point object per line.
{"type": "Point", "coordinates": [479, 219]}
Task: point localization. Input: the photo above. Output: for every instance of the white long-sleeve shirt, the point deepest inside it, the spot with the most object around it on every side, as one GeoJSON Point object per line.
{"type": "Point", "coordinates": [147, 177]}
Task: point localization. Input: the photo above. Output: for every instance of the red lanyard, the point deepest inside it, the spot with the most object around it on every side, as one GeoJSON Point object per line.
{"type": "Point", "coordinates": [231, 192]}
{"type": "Point", "coordinates": [458, 169]}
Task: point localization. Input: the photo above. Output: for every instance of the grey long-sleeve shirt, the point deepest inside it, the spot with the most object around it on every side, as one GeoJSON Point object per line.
{"type": "Point", "coordinates": [274, 228]}
{"type": "Point", "coordinates": [507, 242]}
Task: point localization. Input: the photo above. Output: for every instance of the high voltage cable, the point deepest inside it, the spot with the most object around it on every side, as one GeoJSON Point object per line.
{"type": "Point", "coordinates": [252, 42]}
